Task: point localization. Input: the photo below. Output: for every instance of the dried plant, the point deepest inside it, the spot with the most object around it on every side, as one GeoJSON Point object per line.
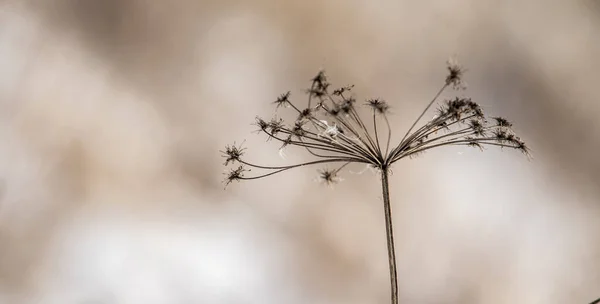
{"type": "Point", "coordinates": [330, 129]}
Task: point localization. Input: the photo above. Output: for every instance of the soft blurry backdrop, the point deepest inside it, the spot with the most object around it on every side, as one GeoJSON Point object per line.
{"type": "Point", "coordinates": [112, 114]}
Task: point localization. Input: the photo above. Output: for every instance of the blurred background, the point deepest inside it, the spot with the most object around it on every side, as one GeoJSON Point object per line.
{"type": "Point", "coordinates": [112, 115]}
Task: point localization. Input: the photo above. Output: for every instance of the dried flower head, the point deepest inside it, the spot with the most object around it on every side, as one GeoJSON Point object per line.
{"type": "Point", "coordinates": [329, 176]}
{"type": "Point", "coordinates": [261, 124]}
{"type": "Point", "coordinates": [236, 174]}
{"type": "Point", "coordinates": [232, 153]}
{"type": "Point", "coordinates": [282, 100]}
{"type": "Point", "coordinates": [332, 128]}
{"type": "Point", "coordinates": [319, 86]}
{"type": "Point", "coordinates": [521, 146]}
{"type": "Point", "coordinates": [378, 105]}
{"type": "Point", "coordinates": [305, 114]}
{"type": "Point", "coordinates": [502, 122]}
{"type": "Point", "coordinates": [275, 126]}
{"type": "Point", "coordinates": [477, 127]}
{"type": "Point", "coordinates": [455, 74]}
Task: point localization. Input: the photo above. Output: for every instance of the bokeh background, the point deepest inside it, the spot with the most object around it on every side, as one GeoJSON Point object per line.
{"type": "Point", "coordinates": [112, 114]}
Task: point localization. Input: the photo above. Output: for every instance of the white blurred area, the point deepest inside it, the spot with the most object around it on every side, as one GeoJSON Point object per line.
{"type": "Point", "coordinates": [112, 114]}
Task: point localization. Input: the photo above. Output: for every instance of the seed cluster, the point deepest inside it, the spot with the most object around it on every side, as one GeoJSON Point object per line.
{"type": "Point", "coordinates": [331, 129]}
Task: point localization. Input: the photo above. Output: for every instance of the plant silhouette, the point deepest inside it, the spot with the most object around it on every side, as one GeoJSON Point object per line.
{"type": "Point", "coordinates": [331, 130]}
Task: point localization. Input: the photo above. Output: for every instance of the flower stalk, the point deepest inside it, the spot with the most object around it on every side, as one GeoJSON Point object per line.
{"type": "Point", "coordinates": [389, 233]}
{"type": "Point", "coordinates": [333, 130]}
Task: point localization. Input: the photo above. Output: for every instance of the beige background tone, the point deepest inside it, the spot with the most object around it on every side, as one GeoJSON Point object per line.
{"type": "Point", "coordinates": [112, 114]}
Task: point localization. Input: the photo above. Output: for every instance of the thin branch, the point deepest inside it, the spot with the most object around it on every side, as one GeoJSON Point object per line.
{"type": "Point", "coordinates": [425, 111]}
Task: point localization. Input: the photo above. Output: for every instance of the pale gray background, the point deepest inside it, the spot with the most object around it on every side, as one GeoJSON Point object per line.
{"type": "Point", "coordinates": [112, 114]}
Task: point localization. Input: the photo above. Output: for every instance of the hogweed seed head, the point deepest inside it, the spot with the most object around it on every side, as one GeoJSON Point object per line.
{"type": "Point", "coordinates": [319, 86]}
{"type": "Point", "coordinates": [521, 146]}
{"type": "Point", "coordinates": [232, 153]}
{"type": "Point", "coordinates": [378, 105]}
{"type": "Point", "coordinates": [502, 122]}
{"type": "Point", "coordinates": [275, 126]}
{"type": "Point", "coordinates": [282, 100]}
{"type": "Point", "coordinates": [333, 129]}
{"type": "Point", "coordinates": [455, 74]}
{"type": "Point", "coordinates": [298, 129]}
{"type": "Point", "coordinates": [305, 114]}
{"type": "Point", "coordinates": [329, 176]}
{"type": "Point", "coordinates": [320, 78]}
{"type": "Point", "coordinates": [236, 174]}
{"type": "Point", "coordinates": [501, 135]}
{"type": "Point", "coordinates": [261, 124]}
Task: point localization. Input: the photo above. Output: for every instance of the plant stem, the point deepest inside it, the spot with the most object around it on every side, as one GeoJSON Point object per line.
{"type": "Point", "coordinates": [387, 208]}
